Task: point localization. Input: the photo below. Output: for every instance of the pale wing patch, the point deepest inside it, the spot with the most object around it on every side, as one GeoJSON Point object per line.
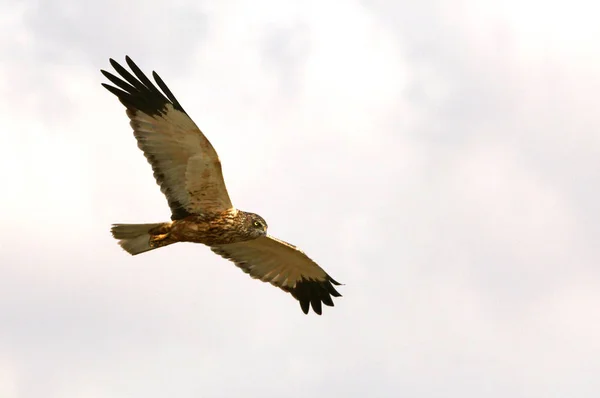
{"type": "Point", "coordinates": [186, 165]}
{"type": "Point", "coordinates": [168, 149]}
{"type": "Point", "coordinates": [204, 184]}
{"type": "Point", "coordinates": [272, 260]}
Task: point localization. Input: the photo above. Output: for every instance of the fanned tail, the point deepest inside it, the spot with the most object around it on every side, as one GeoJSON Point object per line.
{"type": "Point", "coordinates": [140, 238]}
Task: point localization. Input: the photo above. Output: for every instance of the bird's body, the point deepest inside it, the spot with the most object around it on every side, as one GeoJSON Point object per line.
{"type": "Point", "coordinates": [216, 229]}
{"type": "Point", "coordinates": [208, 229]}
{"type": "Point", "coordinates": [188, 170]}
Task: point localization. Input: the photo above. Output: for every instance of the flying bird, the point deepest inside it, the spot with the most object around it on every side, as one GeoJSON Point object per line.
{"type": "Point", "coordinates": [188, 171]}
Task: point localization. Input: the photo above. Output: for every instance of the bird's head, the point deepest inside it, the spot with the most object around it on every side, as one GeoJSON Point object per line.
{"type": "Point", "coordinates": [256, 225]}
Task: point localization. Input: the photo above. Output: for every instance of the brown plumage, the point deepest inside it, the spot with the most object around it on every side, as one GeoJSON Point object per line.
{"type": "Point", "coordinates": [188, 170]}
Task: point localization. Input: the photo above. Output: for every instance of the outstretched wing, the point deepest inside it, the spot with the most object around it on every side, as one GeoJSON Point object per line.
{"type": "Point", "coordinates": [185, 164]}
{"type": "Point", "coordinates": [283, 265]}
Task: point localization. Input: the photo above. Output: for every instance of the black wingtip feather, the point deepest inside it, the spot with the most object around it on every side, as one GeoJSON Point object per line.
{"type": "Point", "coordinates": [138, 92]}
{"type": "Point", "coordinates": [311, 293]}
{"type": "Point", "coordinates": [305, 305]}
{"type": "Point", "coordinates": [327, 300]}
{"type": "Point", "coordinates": [118, 82]}
{"type": "Point", "coordinates": [315, 302]}
{"type": "Point", "coordinates": [143, 79]}
{"type": "Point", "coordinates": [334, 281]}
{"type": "Point", "coordinates": [114, 90]}
{"type": "Point", "coordinates": [166, 90]}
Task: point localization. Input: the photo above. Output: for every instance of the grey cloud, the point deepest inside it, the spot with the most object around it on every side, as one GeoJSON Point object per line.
{"type": "Point", "coordinates": [95, 31]}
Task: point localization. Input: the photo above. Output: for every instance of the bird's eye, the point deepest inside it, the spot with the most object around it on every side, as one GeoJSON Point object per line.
{"type": "Point", "coordinates": [257, 224]}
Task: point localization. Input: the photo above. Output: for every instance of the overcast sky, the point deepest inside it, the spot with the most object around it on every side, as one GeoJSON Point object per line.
{"type": "Point", "coordinates": [441, 160]}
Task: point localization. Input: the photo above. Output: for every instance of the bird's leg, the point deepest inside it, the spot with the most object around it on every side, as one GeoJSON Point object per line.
{"type": "Point", "coordinates": [159, 236]}
{"type": "Point", "coordinates": [157, 241]}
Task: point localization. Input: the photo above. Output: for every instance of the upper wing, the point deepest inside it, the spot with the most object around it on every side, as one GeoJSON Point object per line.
{"type": "Point", "coordinates": [283, 265]}
{"type": "Point", "coordinates": [185, 164]}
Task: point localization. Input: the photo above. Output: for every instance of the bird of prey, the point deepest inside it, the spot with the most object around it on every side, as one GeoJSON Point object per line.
{"type": "Point", "coordinates": [188, 170]}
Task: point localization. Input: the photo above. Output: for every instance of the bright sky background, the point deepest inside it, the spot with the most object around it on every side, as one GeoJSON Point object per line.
{"type": "Point", "coordinates": [440, 158]}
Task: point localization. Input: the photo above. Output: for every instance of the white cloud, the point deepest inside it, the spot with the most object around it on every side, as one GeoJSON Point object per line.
{"type": "Point", "coordinates": [8, 381]}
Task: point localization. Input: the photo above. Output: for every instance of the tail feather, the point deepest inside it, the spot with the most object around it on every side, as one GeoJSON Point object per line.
{"type": "Point", "coordinates": [140, 238]}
